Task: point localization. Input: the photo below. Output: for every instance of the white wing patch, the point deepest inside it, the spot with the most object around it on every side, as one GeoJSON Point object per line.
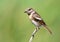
{"type": "Point", "coordinates": [38, 18]}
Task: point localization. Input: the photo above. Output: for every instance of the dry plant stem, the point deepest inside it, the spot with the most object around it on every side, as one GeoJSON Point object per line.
{"type": "Point", "coordinates": [34, 32]}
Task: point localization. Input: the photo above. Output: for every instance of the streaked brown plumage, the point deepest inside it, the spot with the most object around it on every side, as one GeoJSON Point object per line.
{"type": "Point", "coordinates": [36, 20]}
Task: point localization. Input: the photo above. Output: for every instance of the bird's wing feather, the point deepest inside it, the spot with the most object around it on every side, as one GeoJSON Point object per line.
{"type": "Point", "coordinates": [38, 18]}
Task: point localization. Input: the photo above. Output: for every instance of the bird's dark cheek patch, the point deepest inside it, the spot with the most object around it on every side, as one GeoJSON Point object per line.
{"type": "Point", "coordinates": [28, 13]}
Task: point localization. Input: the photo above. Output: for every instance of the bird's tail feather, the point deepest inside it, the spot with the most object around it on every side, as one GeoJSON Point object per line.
{"type": "Point", "coordinates": [48, 29]}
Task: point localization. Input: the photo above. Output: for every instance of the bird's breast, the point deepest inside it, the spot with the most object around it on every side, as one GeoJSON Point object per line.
{"type": "Point", "coordinates": [31, 17]}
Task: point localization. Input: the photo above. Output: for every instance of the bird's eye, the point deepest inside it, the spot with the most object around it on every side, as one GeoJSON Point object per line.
{"type": "Point", "coordinates": [29, 9]}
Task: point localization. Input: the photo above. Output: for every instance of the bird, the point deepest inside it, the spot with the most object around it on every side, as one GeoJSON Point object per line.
{"type": "Point", "coordinates": [36, 19]}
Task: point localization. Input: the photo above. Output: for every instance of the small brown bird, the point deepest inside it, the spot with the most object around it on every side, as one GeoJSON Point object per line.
{"type": "Point", "coordinates": [36, 19]}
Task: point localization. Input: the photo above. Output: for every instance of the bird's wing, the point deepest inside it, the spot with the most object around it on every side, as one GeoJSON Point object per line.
{"type": "Point", "coordinates": [37, 17]}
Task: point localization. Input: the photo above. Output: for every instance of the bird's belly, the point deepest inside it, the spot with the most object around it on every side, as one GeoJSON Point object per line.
{"type": "Point", "coordinates": [36, 23]}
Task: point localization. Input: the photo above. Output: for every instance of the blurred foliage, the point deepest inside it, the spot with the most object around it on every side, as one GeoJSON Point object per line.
{"type": "Point", "coordinates": [16, 27]}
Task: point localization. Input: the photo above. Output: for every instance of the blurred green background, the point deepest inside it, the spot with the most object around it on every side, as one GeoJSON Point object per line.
{"type": "Point", "coordinates": [16, 27]}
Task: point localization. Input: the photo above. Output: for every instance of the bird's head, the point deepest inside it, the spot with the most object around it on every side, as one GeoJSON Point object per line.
{"type": "Point", "coordinates": [29, 11]}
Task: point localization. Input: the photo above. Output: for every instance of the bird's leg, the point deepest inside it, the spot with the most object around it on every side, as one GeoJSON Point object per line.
{"type": "Point", "coordinates": [34, 32]}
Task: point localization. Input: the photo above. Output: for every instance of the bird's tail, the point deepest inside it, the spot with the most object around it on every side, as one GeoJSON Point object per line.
{"type": "Point", "coordinates": [48, 29]}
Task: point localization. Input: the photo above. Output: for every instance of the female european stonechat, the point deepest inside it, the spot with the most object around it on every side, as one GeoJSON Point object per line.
{"type": "Point", "coordinates": [36, 19]}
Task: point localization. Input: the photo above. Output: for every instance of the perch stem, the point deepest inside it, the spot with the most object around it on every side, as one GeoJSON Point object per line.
{"type": "Point", "coordinates": [34, 32]}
